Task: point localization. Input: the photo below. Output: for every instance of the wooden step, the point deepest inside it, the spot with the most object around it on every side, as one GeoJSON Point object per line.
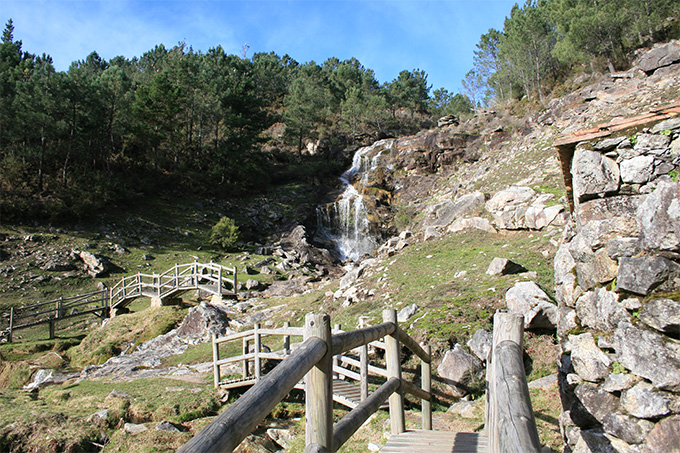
{"type": "Point", "coordinates": [418, 440]}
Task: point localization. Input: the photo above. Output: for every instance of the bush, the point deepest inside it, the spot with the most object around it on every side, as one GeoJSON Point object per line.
{"type": "Point", "coordinates": [225, 233]}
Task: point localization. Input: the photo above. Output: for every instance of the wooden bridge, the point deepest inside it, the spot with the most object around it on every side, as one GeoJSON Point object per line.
{"type": "Point", "coordinates": [211, 278]}
{"type": "Point", "coordinates": [510, 425]}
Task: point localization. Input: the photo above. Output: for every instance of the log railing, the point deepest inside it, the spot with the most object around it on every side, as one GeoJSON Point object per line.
{"type": "Point", "coordinates": [510, 422]}
{"type": "Point", "coordinates": [313, 360]}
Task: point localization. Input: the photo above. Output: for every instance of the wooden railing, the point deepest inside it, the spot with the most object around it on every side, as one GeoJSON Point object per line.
{"type": "Point", "coordinates": [313, 360]}
{"type": "Point", "coordinates": [55, 310]}
{"type": "Point", "coordinates": [211, 277]}
{"type": "Point", "coordinates": [182, 277]}
{"type": "Point", "coordinates": [510, 422]}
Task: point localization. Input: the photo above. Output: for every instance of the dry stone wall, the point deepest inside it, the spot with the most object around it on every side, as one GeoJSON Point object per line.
{"type": "Point", "coordinates": [617, 277]}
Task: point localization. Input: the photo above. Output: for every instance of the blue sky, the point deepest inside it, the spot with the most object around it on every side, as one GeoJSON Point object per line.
{"type": "Point", "coordinates": [437, 36]}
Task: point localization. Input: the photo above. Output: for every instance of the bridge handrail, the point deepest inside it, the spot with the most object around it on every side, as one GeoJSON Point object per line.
{"type": "Point", "coordinates": [228, 430]}
{"type": "Point", "coordinates": [510, 422]}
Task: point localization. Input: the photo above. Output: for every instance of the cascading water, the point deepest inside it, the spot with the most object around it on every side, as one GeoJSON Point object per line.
{"type": "Point", "coordinates": [345, 222]}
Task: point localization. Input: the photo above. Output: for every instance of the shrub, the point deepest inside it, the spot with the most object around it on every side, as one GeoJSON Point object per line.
{"type": "Point", "coordinates": [225, 233]}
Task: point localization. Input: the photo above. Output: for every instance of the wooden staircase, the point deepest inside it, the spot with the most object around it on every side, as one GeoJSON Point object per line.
{"type": "Point", "coordinates": [510, 425]}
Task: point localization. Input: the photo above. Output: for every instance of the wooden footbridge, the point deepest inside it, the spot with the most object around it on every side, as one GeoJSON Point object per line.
{"type": "Point", "coordinates": [325, 355]}
{"type": "Point", "coordinates": [211, 278]}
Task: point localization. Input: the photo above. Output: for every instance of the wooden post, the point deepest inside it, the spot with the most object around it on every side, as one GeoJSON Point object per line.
{"type": "Point", "coordinates": [397, 418]}
{"type": "Point", "coordinates": [258, 346]}
{"type": "Point", "coordinates": [11, 324]}
{"type": "Point", "coordinates": [286, 339]}
{"type": "Point", "coordinates": [216, 358]}
{"type": "Point", "coordinates": [246, 346]}
{"type": "Point", "coordinates": [319, 386]}
{"type": "Point", "coordinates": [60, 308]}
{"type": "Point", "coordinates": [51, 323]}
{"type": "Point", "coordinates": [426, 385]}
{"type": "Point", "coordinates": [363, 371]}
{"type": "Point", "coordinates": [219, 281]}
{"type": "Point", "coordinates": [506, 326]}
{"type": "Point", "coordinates": [335, 357]}
{"type": "Point", "coordinates": [235, 283]}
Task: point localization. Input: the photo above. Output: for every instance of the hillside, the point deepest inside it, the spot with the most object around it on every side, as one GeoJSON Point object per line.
{"type": "Point", "coordinates": [443, 204]}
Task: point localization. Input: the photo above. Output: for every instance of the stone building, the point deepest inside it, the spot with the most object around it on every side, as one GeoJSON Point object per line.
{"type": "Point", "coordinates": [617, 277]}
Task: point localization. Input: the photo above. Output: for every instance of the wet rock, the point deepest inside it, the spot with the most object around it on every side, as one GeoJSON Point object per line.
{"type": "Point", "coordinates": [528, 299]}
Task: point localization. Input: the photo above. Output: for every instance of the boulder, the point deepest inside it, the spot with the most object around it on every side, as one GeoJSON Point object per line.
{"type": "Point", "coordinates": [133, 428]}
{"type": "Point", "coordinates": [480, 343]}
{"type": "Point", "coordinates": [252, 284]}
{"type": "Point", "coordinates": [644, 401]}
{"type": "Point", "coordinates": [503, 266]}
{"type": "Point", "coordinates": [619, 382]}
{"type": "Point", "coordinates": [201, 318]}
{"type": "Point", "coordinates": [642, 275]}
{"type": "Point", "coordinates": [608, 208]}
{"type": "Point", "coordinates": [649, 354]}
{"type": "Point", "coordinates": [600, 310]}
{"type": "Point", "coordinates": [406, 313]}
{"type": "Point", "coordinates": [528, 299]}
{"type": "Point", "coordinates": [622, 246]}
{"type": "Point", "coordinates": [167, 427]}
{"type": "Point", "coordinates": [593, 174]}
{"type": "Point", "coordinates": [662, 315]}
{"type": "Point", "coordinates": [658, 218]}
{"type": "Point", "coordinates": [509, 197]}
{"type": "Point", "coordinates": [664, 436]}
{"type": "Point", "coordinates": [638, 170]}
{"type": "Point", "coordinates": [659, 57]}
{"type": "Point", "coordinates": [471, 223]}
{"type": "Point", "coordinates": [596, 401]}
{"type": "Point", "coordinates": [96, 265]}
{"type": "Point", "coordinates": [459, 370]}
{"type": "Point", "coordinates": [656, 144]}
{"type": "Point", "coordinates": [629, 429]}
{"type": "Point", "coordinates": [590, 363]}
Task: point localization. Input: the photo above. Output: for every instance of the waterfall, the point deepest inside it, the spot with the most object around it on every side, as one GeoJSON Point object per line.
{"type": "Point", "coordinates": [345, 222]}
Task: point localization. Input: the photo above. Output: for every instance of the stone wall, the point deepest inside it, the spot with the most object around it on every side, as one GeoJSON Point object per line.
{"type": "Point", "coordinates": [617, 277]}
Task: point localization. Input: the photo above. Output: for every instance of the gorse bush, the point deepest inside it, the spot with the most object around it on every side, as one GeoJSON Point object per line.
{"type": "Point", "coordinates": [225, 233]}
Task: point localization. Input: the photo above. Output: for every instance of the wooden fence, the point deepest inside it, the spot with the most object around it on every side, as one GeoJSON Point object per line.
{"type": "Point", "coordinates": [313, 360]}
{"type": "Point", "coordinates": [211, 277]}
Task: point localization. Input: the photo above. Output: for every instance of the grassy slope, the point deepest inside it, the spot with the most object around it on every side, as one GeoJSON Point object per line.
{"type": "Point", "coordinates": [452, 306]}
